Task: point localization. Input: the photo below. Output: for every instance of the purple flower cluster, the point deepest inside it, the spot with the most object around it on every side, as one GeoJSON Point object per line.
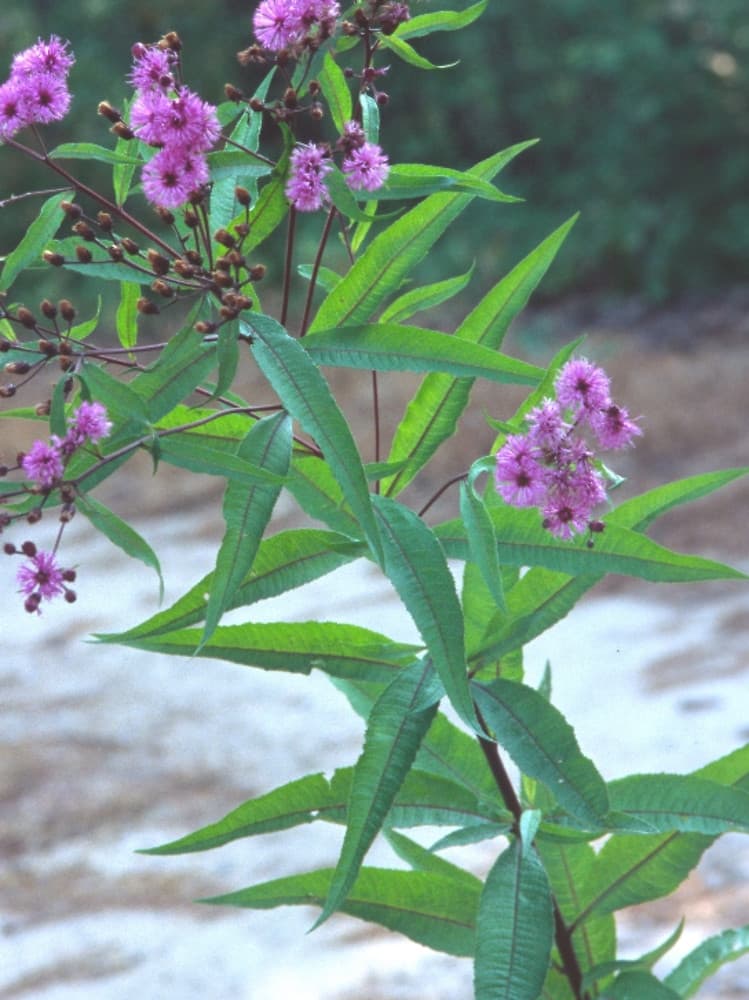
{"type": "Point", "coordinates": [284, 24]}
{"type": "Point", "coordinates": [174, 119]}
{"type": "Point", "coordinates": [36, 91]}
{"type": "Point", "coordinates": [42, 578]}
{"type": "Point", "coordinates": [365, 167]}
{"type": "Point", "coordinates": [44, 463]}
{"type": "Point", "coordinates": [552, 466]}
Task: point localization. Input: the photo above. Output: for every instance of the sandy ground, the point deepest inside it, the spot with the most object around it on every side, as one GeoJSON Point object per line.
{"type": "Point", "coordinates": [105, 750]}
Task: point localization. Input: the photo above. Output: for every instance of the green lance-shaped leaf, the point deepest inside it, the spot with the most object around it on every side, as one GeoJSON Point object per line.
{"type": "Point", "coordinates": [450, 752]}
{"type": "Point", "coordinates": [639, 986]}
{"type": "Point", "coordinates": [396, 727]}
{"type": "Point", "coordinates": [126, 317]}
{"type": "Point", "coordinates": [515, 928]}
{"type": "Point", "coordinates": [341, 650]}
{"type": "Point", "coordinates": [370, 117]}
{"type": "Point", "coordinates": [433, 414]}
{"type": "Point", "coordinates": [119, 398]}
{"type": "Point", "coordinates": [183, 364]}
{"type": "Point", "coordinates": [36, 237]}
{"type": "Point", "coordinates": [282, 563]}
{"type": "Point", "coordinates": [416, 566]}
{"type": "Point", "coordinates": [417, 180]}
{"type": "Point", "coordinates": [391, 347]}
{"type": "Point", "coordinates": [120, 533]}
{"type": "Point", "coordinates": [336, 91]}
{"type": "Point", "coordinates": [122, 172]}
{"type": "Point", "coordinates": [705, 960]}
{"type": "Point", "coordinates": [409, 54]}
{"type": "Point", "coordinates": [305, 394]}
{"type": "Point", "coordinates": [681, 802]}
{"type": "Point", "coordinates": [420, 859]}
{"type": "Point", "coordinates": [391, 256]}
{"type": "Point", "coordinates": [313, 484]}
{"type": "Point", "coordinates": [185, 452]}
{"type": "Point", "coordinates": [247, 512]}
{"type": "Point", "coordinates": [440, 20]}
{"type": "Point", "coordinates": [425, 297]}
{"type": "Point", "coordinates": [272, 204]}
{"type": "Point", "coordinates": [544, 746]}
{"type": "Point", "coordinates": [91, 151]}
{"type": "Point", "coordinates": [426, 907]}
{"type": "Point", "coordinates": [523, 541]}
{"type": "Point", "coordinates": [79, 331]}
{"type": "Point", "coordinates": [482, 541]}
{"type": "Point", "coordinates": [604, 970]}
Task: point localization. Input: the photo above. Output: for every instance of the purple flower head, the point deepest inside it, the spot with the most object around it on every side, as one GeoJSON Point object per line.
{"type": "Point", "coordinates": [305, 187]}
{"type": "Point", "coordinates": [190, 122]}
{"type": "Point", "coordinates": [44, 98]}
{"type": "Point", "coordinates": [43, 464]}
{"type": "Point", "coordinates": [366, 167]}
{"type": "Point", "coordinates": [613, 427]}
{"type": "Point", "coordinates": [89, 423]}
{"type": "Point", "coordinates": [564, 516]}
{"type": "Point", "coordinates": [518, 475]}
{"type": "Point", "coordinates": [172, 175]}
{"type": "Point", "coordinates": [148, 114]}
{"type": "Point", "coordinates": [12, 117]}
{"type": "Point", "coordinates": [44, 57]}
{"type": "Point", "coordinates": [277, 24]}
{"type": "Point", "coordinates": [42, 577]}
{"type": "Point", "coordinates": [152, 68]}
{"type": "Point", "coordinates": [322, 12]}
{"type": "Point", "coordinates": [547, 427]}
{"type": "Point", "coordinates": [582, 386]}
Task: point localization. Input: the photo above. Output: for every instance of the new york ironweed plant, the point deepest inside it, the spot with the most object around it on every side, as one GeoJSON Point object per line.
{"type": "Point", "coordinates": [178, 225]}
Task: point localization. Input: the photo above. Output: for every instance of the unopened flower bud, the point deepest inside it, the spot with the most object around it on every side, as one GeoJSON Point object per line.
{"type": "Point", "coordinates": [194, 257]}
{"type": "Point", "coordinates": [115, 251]}
{"type": "Point", "coordinates": [31, 604]}
{"type": "Point", "coordinates": [26, 317]}
{"type": "Point", "coordinates": [9, 549]}
{"type": "Point", "coordinates": [122, 131]}
{"type": "Point", "coordinates": [163, 288]}
{"type": "Point", "coordinates": [17, 367]}
{"type": "Point", "coordinates": [7, 391]}
{"type": "Point", "coordinates": [147, 307]}
{"type": "Point", "coordinates": [66, 311]}
{"type": "Point", "coordinates": [55, 259]}
{"type": "Point", "coordinates": [257, 272]}
{"type": "Point", "coordinates": [242, 229]}
{"type": "Point", "coordinates": [34, 516]}
{"type": "Point", "coordinates": [166, 216]}
{"type": "Point", "coordinates": [159, 264]}
{"type": "Point", "coordinates": [382, 99]}
{"type": "Point", "coordinates": [83, 254]}
{"type": "Point", "coordinates": [191, 218]}
{"type": "Point", "coordinates": [46, 347]}
{"type": "Point", "coordinates": [233, 93]}
{"type": "Point", "coordinates": [72, 210]}
{"type": "Point", "coordinates": [69, 575]}
{"type": "Point", "coordinates": [224, 238]}
{"type": "Point", "coordinates": [203, 326]}
{"type": "Point", "coordinates": [184, 269]}
{"type": "Point", "coordinates": [48, 308]}
{"type": "Point", "coordinates": [28, 549]}
{"type": "Point", "coordinates": [5, 345]}
{"type": "Point", "coordinates": [171, 40]}
{"type": "Point", "coordinates": [290, 98]}
{"type": "Point", "coordinates": [130, 246]}
{"type": "Point", "coordinates": [106, 110]}
{"type": "Point", "coordinates": [256, 104]}
{"type": "Point", "coordinates": [43, 409]}
{"type": "Point", "coordinates": [83, 230]}
{"type": "Point", "coordinates": [317, 111]}
{"type": "Point", "coordinates": [105, 221]}
{"type": "Point", "coordinates": [70, 596]}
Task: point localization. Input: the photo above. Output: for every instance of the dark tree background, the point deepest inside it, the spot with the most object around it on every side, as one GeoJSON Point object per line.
{"type": "Point", "coordinates": [642, 107]}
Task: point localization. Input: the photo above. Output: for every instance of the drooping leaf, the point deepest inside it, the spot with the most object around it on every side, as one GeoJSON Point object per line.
{"type": "Point", "coordinates": [420, 859]}
{"type": "Point", "coordinates": [425, 297]}
{"type": "Point", "coordinates": [705, 960]}
{"type": "Point", "coordinates": [543, 745]}
{"type": "Point", "coordinates": [126, 317]}
{"type": "Point", "coordinates": [183, 451]}
{"type": "Point", "coordinates": [417, 180]}
{"type": "Point", "coordinates": [482, 542]}
{"type": "Point", "coordinates": [336, 92]}
{"type": "Point", "coordinates": [307, 397]}
{"type": "Point", "coordinates": [36, 237]}
{"type": "Point", "coordinates": [91, 151]}
{"type": "Point", "coordinates": [247, 512]}
{"type": "Point", "coordinates": [180, 368]}
{"type": "Point", "coordinates": [515, 928]}
{"type": "Point", "coordinates": [409, 54]}
{"type": "Point", "coordinates": [639, 986]}
{"type": "Point", "coordinates": [440, 20]}
{"type": "Point", "coordinates": [395, 728]}
{"type": "Point", "coordinates": [120, 533]}
{"type": "Point", "coordinates": [426, 907]}
{"type": "Point", "coordinates": [415, 564]}
{"type": "Point", "coordinates": [680, 802]}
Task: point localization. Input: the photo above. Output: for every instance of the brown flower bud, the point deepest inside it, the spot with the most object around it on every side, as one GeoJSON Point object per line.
{"type": "Point", "coordinates": [67, 311]}
{"type": "Point", "coordinates": [5, 345]}
{"type": "Point", "coordinates": [242, 229]}
{"type": "Point", "coordinates": [243, 196]}
{"type": "Point", "coordinates": [224, 238]}
{"type": "Point", "coordinates": [317, 112]}
{"type": "Point", "coordinates": [106, 110]}
{"type": "Point", "coordinates": [17, 367]}
{"type": "Point", "coordinates": [227, 313]}
{"type": "Point", "coordinates": [72, 210]}
{"type": "Point", "coordinates": [28, 549]}
{"type": "Point", "coordinates": [105, 221]}
{"type": "Point", "coordinates": [314, 88]}
{"type": "Point", "coordinates": [115, 251]}
{"type": "Point", "coordinates": [147, 307]}
{"type": "Point", "coordinates": [130, 246]}
{"type": "Point", "coordinates": [257, 272]}
{"type": "Point", "coordinates": [83, 230]}
{"type": "Point", "coordinates": [122, 131]}
{"type": "Point", "coordinates": [166, 216]}
{"type": "Point", "coordinates": [233, 93]}
{"type": "Point", "coordinates": [184, 269]}
{"type": "Point", "coordinates": [7, 391]}
{"type": "Point", "coordinates": [66, 347]}
{"type": "Point", "coordinates": [159, 263]}
{"type": "Point", "coordinates": [55, 259]}
{"type": "Point", "coordinates": [256, 104]}
{"type": "Point", "coordinates": [162, 288]}
{"type": "Point", "coordinates": [194, 257]}
{"type": "Point", "coordinates": [171, 40]}
{"type": "Point", "coordinates": [26, 317]}
{"type": "Point", "coordinates": [66, 363]}
{"type": "Point", "coordinates": [222, 280]}
{"type": "Point", "coordinates": [43, 409]}
{"type": "Point", "coordinates": [83, 254]}
{"type": "Point", "coordinates": [223, 264]}
{"type": "Point", "coordinates": [191, 218]}
{"type": "Point", "coordinates": [49, 309]}
{"type": "Point", "coordinates": [47, 347]}
{"type": "Point", "coordinates": [290, 98]}
{"type": "Point", "coordinates": [203, 326]}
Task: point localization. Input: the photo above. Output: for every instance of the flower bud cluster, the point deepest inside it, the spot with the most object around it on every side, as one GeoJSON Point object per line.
{"type": "Point", "coordinates": [36, 91]}
{"type": "Point", "coordinates": [288, 24]}
{"type": "Point", "coordinates": [553, 466]}
{"type": "Point", "coordinates": [176, 121]}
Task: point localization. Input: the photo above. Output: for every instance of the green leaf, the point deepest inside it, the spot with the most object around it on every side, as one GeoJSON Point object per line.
{"type": "Point", "coordinates": [523, 541]}
{"type": "Point", "coordinates": [450, 752]}
{"type": "Point", "coordinates": [680, 802]}
{"type": "Point", "coordinates": [326, 278]}
{"type": "Point", "coordinates": [227, 355]}
{"type": "Point", "coordinates": [185, 452]}
{"type": "Point", "coordinates": [283, 562]}
{"type": "Point", "coordinates": [35, 239]}
{"type": "Point", "coordinates": [305, 394]}
{"type": "Point", "coordinates": [120, 533]}
{"type": "Point", "coordinates": [100, 266]}
{"type": "Point", "coordinates": [417, 180]}
{"type": "Point", "coordinates": [639, 986]}
{"type": "Point", "coordinates": [126, 319]}
{"type": "Point", "coordinates": [409, 54]}
{"type": "Point", "coordinates": [705, 960]}
{"type": "Point", "coordinates": [122, 173]}
{"type": "Point", "coordinates": [297, 647]}
{"type": "Point", "coordinates": [390, 347]}
{"type": "Point", "coordinates": [336, 92]}
{"type": "Point", "coordinates": [314, 486]}
{"type": "Point", "coordinates": [390, 257]}
{"type": "Point", "coordinates": [433, 414]}
{"type": "Point", "coordinates": [180, 368]}
{"type": "Point", "coordinates": [82, 330]}
{"type": "Point", "coordinates": [247, 512]}
{"type": "Point", "coordinates": [605, 970]}
{"type": "Point", "coordinates": [370, 117]}
{"type": "Point", "coordinates": [416, 566]}
{"type": "Point", "coordinates": [482, 541]}
{"type": "Point", "coordinates": [515, 928]}
{"type": "Point", "coordinates": [396, 727]}
{"type": "Point", "coordinates": [426, 907]}
{"type": "Point", "coordinates": [420, 859]}
{"type": "Point", "coordinates": [118, 397]}
{"type": "Point", "coordinates": [271, 206]}
{"type": "Point", "coordinates": [92, 151]}
{"type": "Point", "coordinates": [440, 20]}
{"type": "Point", "coordinates": [543, 745]}
{"type": "Point", "coordinates": [425, 297]}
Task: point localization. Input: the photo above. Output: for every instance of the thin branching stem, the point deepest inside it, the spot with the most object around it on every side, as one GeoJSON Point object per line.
{"type": "Point", "coordinates": [316, 269]}
{"type": "Point", "coordinates": [287, 265]}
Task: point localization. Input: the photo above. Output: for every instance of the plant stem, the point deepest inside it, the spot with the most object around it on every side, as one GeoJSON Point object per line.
{"type": "Point", "coordinates": [287, 265]}
{"type": "Point", "coordinates": [435, 497]}
{"type": "Point", "coordinates": [316, 269]}
{"type": "Point", "coordinates": [562, 933]}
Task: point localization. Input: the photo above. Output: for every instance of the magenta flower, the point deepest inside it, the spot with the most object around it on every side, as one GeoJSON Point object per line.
{"type": "Point", "coordinates": [43, 464]}
{"type": "Point", "coordinates": [152, 68]}
{"type": "Point", "coordinates": [148, 114]}
{"type": "Point", "coordinates": [190, 122]}
{"type": "Point", "coordinates": [44, 57]}
{"type": "Point", "coordinates": [277, 24]}
{"type": "Point", "coordinates": [89, 423]}
{"type": "Point", "coordinates": [366, 167]}
{"type": "Point", "coordinates": [613, 427]}
{"type": "Point", "coordinates": [518, 475]}
{"type": "Point", "coordinates": [547, 426]}
{"type": "Point", "coordinates": [44, 98]}
{"type": "Point", "coordinates": [564, 518]}
{"type": "Point", "coordinates": [40, 578]}
{"type": "Point", "coordinates": [305, 187]}
{"type": "Point", "coordinates": [581, 385]}
{"type": "Point", "coordinates": [12, 116]}
{"type": "Point", "coordinates": [172, 175]}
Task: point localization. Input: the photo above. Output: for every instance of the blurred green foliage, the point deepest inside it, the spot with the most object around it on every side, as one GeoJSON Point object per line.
{"type": "Point", "coordinates": [642, 108]}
